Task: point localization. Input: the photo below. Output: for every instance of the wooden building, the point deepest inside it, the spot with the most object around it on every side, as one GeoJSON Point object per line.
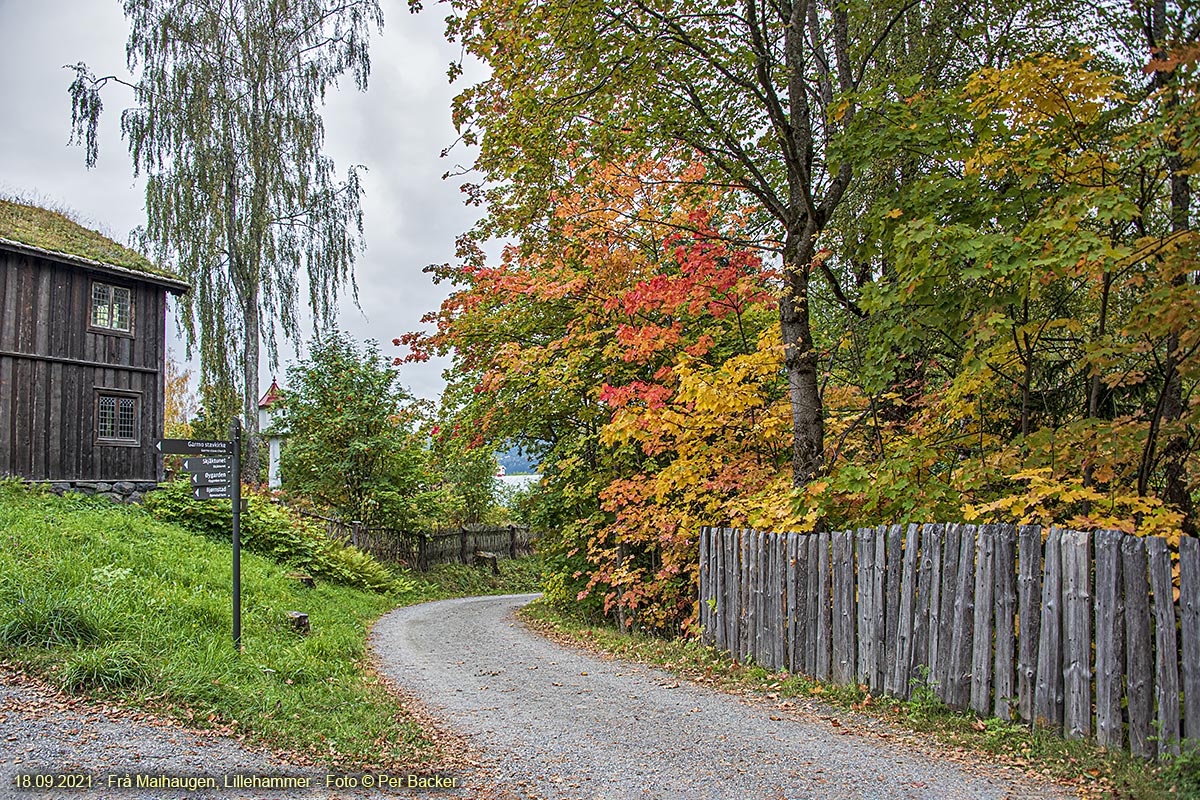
{"type": "Point", "coordinates": [82, 346]}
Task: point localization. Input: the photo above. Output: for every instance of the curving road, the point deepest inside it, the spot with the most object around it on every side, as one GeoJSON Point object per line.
{"type": "Point", "coordinates": [555, 722]}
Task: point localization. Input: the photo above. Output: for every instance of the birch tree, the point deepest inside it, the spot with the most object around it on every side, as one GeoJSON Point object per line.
{"type": "Point", "coordinates": [240, 199]}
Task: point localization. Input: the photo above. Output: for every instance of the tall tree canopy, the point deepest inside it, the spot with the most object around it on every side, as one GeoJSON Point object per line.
{"type": "Point", "coordinates": [759, 89]}
{"type": "Point", "coordinates": [240, 199]}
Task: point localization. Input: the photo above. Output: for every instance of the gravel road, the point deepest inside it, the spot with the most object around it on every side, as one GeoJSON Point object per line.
{"type": "Point", "coordinates": [59, 747]}
{"type": "Point", "coordinates": [555, 722]}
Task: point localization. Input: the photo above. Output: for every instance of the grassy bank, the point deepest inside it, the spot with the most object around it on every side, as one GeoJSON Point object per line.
{"type": "Point", "coordinates": [1093, 771]}
{"type": "Point", "coordinates": [107, 599]}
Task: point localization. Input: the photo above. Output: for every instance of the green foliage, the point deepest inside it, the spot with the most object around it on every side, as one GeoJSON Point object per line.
{"type": "Point", "coordinates": [520, 576]}
{"type": "Point", "coordinates": [353, 439]}
{"type": "Point", "coordinates": [467, 469]}
{"type": "Point", "coordinates": [273, 531]}
{"type": "Point", "coordinates": [157, 603]}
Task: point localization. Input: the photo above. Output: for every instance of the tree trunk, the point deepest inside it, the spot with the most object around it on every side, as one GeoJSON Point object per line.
{"type": "Point", "coordinates": [800, 360]}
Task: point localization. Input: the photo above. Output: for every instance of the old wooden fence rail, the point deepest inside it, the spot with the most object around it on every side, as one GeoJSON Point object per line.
{"type": "Point", "coordinates": [423, 549]}
{"type": "Point", "coordinates": [1080, 632]}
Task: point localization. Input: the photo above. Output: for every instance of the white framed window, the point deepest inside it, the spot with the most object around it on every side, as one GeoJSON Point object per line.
{"type": "Point", "coordinates": [117, 418]}
{"type": "Point", "coordinates": [112, 307]}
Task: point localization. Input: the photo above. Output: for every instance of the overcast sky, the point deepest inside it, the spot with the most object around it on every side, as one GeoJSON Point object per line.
{"type": "Point", "coordinates": [397, 130]}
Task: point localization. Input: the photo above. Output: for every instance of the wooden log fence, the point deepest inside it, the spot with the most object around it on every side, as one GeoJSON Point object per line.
{"type": "Point", "coordinates": [423, 549]}
{"type": "Point", "coordinates": [1092, 635]}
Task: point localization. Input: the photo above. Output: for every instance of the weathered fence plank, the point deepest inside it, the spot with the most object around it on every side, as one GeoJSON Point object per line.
{"type": "Point", "coordinates": [718, 588]}
{"type": "Point", "coordinates": [824, 647]}
{"type": "Point", "coordinates": [981, 644]}
{"type": "Point", "coordinates": [1048, 695]}
{"type": "Point", "coordinates": [1139, 647]}
{"type": "Point", "coordinates": [878, 575]}
{"type": "Point", "coordinates": [760, 595]}
{"type": "Point", "coordinates": [1010, 625]}
{"type": "Point", "coordinates": [1110, 639]}
{"type": "Point", "coordinates": [925, 642]}
{"type": "Point", "coordinates": [902, 654]}
{"type": "Point", "coordinates": [703, 609]}
{"type": "Point", "coordinates": [803, 622]}
{"type": "Point", "coordinates": [893, 571]}
{"type": "Point", "coordinates": [782, 569]}
{"type": "Point", "coordinates": [1077, 635]}
{"type": "Point", "coordinates": [951, 544]}
{"type": "Point", "coordinates": [1029, 615]}
{"type": "Point", "coordinates": [1004, 668]}
{"type": "Point", "coordinates": [794, 569]}
{"type": "Point", "coordinates": [1189, 611]}
{"type": "Point", "coordinates": [1166, 667]}
{"type": "Point", "coordinates": [745, 619]}
{"type": "Point", "coordinates": [959, 671]}
{"type": "Point", "coordinates": [844, 650]}
{"type": "Point", "coordinates": [865, 545]}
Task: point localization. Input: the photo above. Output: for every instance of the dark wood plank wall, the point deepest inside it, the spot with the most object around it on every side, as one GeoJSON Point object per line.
{"type": "Point", "coordinates": [51, 363]}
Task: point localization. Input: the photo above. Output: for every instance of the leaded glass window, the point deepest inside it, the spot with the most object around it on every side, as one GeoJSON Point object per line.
{"type": "Point", "coordinates": [112, 307]}
{"type": "Point", "coordinates": [116, 417]}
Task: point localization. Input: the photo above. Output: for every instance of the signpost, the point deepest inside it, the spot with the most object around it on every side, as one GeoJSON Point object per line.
{"type": "Point", "coordinates": [214, 467]}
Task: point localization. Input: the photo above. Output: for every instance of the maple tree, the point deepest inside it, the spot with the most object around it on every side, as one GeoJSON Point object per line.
{"type": "Point", "coordinates": [1014, 339]}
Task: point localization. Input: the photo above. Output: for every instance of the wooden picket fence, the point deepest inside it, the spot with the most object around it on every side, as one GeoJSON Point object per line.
{"type": "Point", "coordinates": [422, 549]}
{"type": "Point", "coordinates": [1079, 632]}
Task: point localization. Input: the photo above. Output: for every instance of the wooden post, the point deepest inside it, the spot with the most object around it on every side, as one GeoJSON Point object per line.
{"type": "Point", "coordinates": [1048, 694]}
{"type": "Point", "coordinates": [1139, 667]}
{"type": "Point", "coordinates": [843, 608]}
{"type": "Point", "coordinates": [463, 553]}
{"type": "Point", "coordinates": [1166, 655]}
{"type": "Point", "coordinates": [1110, 640]}
{"type": "Point", "coordinates": [355, 532]}
{"type": "Point", "coordinates": [824, 595]}
{"type": "Point", "coordinates": [964, 620]}
{"type": "Point", "coordinates": [951, 544]}
{"type": "Point", "coordinates": [865, 545]}
{"type": "Point", "coordinates": [812, 610]}
{"type": "Point", "coordinates": [1077, 635]}
{"type": "Point", "coordinates": [892, 563]}
{"type": "Point", "coordinates": [981, 643]}
{"type": "Point", "coordinates": [1189, 609]}
{"type": "Point", "coordinates": [512, 541]}
{"type": "Point", "coordinates": [1029, 587]}
{"type": "Point", "coordinates": [1005, 692]}
{"type": "Point", "coordinates": [901, 672]}
{"type": "Point", "coordinates": [929, 586]}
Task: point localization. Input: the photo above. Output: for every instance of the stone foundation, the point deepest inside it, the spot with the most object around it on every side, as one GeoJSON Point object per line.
{"type": "Point", "coordinates": [117, 491]}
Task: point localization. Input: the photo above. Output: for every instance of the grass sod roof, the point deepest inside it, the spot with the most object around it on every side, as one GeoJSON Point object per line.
{"type": "Point", "coordinates": [56, 232]}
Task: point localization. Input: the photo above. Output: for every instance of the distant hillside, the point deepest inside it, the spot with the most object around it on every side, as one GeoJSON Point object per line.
{"type": "Point", "coordinates": [515, 462]}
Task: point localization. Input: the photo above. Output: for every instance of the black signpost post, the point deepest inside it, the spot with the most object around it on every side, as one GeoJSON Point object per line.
{"type": "Point", "coordinates": [215, 466]}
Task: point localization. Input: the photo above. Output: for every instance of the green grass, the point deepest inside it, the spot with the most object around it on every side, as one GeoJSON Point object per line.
{"type": "Point", "coordinates": [106, 599]}
{"type": "Point", "coordinates": [521, 576]}
{"type": "Point", "coordinates": [1090, 769]}
{"type": "Point", "coordinates": [53, 229]}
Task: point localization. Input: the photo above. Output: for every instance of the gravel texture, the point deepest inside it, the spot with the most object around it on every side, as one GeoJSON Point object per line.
{"type": "Point", "coordinates": [87, 750]}
{"type": "Point", "coordinates": [557, 722]}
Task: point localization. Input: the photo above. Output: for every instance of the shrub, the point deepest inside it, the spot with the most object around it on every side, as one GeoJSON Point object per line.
{"type": "Point", "coordinates": [273, 531]}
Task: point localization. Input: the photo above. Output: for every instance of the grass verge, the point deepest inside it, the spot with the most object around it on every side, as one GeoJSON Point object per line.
{"type": "Point", "coordinates": [1091, 770]}
{"type": "Point", "coordinates": [109, 601]}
